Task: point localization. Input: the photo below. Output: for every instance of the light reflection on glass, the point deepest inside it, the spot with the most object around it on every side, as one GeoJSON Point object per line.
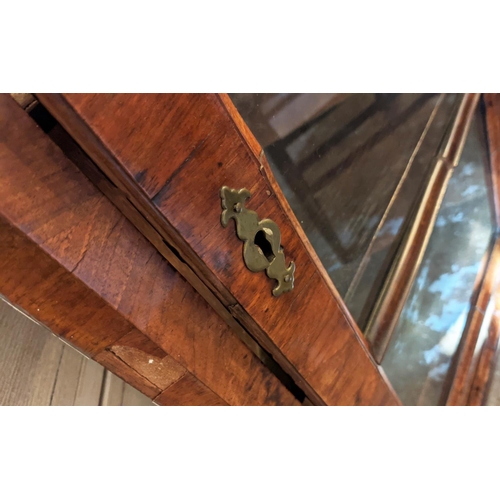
{"type": "Point", "coordinates": [431, 324]}
{"type": "Point", "coordinates": [338, 159]}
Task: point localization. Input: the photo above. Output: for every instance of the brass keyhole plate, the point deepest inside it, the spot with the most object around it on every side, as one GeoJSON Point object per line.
{"type": "Point", "coordinates": [262, 239]}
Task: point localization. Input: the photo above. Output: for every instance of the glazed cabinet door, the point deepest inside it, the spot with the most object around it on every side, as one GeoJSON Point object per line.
{"type": "Point", "coordinates": [398, 196]}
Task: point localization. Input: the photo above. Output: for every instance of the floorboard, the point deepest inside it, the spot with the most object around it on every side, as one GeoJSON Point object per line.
{"type": "Point", "coordinates": [38, 369]}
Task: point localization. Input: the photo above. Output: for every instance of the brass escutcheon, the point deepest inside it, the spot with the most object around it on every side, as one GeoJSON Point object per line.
{"type": "Point", "coordinates": [262, 239]}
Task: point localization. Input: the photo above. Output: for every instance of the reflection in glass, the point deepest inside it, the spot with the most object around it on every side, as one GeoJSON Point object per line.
{"type": "Point", "coordinates": [339, 160]}
{"type": "Point", "coordinates": [431, 324]}
{"type": "Point", "coordinates": [353, 168]}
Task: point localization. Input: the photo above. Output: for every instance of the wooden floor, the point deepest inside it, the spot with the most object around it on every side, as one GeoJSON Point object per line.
{"type": "Point", "coordinates": [38, 369]}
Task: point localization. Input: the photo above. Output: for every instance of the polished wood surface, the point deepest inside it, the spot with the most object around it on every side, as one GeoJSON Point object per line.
{"type": "Point", "coordinates": [492, 107]}
{"type": "Point", "coordinates": [189, 391]}
{"type": "Point", "coordinates": [485, 359]}
{"type": "Point", "coordinates": [464, 366]}
{"type": "Point", "coordinates": [75, 263]}
{"type": "Point", "coordinates": [170, 155]}
{"type": "Point", "coordinates": [80, 159]}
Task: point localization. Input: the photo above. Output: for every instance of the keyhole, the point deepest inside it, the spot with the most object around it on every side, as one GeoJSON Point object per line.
{"type": "Point", "coordinates": [261, 241]}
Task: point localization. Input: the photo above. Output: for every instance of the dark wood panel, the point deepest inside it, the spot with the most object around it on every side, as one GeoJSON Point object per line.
{"type": "Point", "coordinates": [74, 262]}
{"type": "Point", "coordinates": [174, 178]}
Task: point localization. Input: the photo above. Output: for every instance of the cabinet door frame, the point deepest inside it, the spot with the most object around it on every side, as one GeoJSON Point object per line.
{"type": "Point", "coordinates": [75, 263]}
{"type": "Point", "coordinates": [169, 155]}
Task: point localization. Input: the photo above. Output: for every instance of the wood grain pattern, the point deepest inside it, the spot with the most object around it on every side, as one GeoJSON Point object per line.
{"type": "Point", "coordinates": [486, 354]}
{"type": "Point", "coordinates": [74, 262]}
{"type": "Point", "coordinates": [148, 360]}
{"type": "Point", "coordinates": [189, 391]}
{"type": "Point", "coordinates": [141, 363]}
{"type": "Point", "coordinates": [464, 365]}
{"type": "Point", "coordinates": [128, 374]}
{"type": "Point", "coordinates": [170, 154]}
{"type": "Point", "coordinates": [482, 380]}
{"type": "Point", "coordinates": [488, 381]}
{"type": "Point", "coordinates": [492, 105]}
{"type": "Point", "coordinates": [77, 156]}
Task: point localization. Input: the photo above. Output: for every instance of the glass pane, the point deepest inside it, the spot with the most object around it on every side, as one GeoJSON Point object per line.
{"type": "Point", "coordinates": [433, 319]}
{"type": "Point", "coordinates": [350, 165]}
{"type": "Point", "coordinates": [353, 168]}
